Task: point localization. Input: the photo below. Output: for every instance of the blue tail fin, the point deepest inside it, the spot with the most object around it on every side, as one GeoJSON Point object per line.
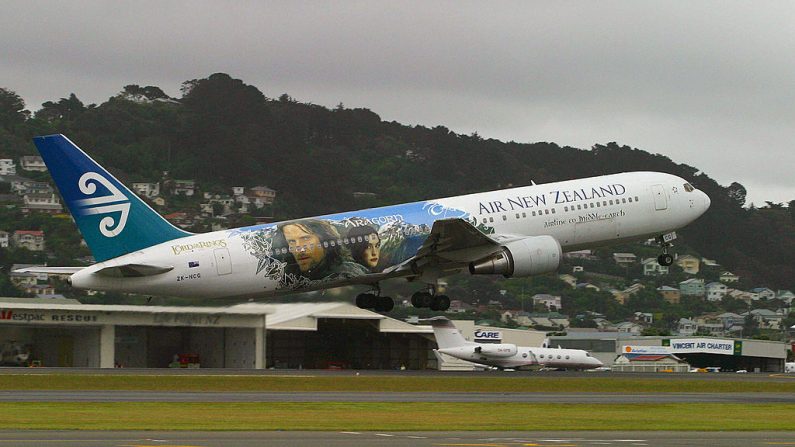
{"type": "Point", "coordinates": [112, 219]}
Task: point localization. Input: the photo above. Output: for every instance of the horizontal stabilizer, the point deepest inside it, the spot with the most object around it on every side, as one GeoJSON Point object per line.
{"type": "Point", "coordinates": [134, 270]}
{"type": "Point", "coordinates": [50, 270]}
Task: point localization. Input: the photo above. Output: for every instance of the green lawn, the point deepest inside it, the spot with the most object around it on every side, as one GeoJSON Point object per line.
{"type": "Point", "coordinates": [385, 383]}
{"type": "Point", "coordinates": [394, 416]}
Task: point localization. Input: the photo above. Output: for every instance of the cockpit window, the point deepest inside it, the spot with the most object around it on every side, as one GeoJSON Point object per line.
{"type": "Point", "coordinates": [689, 187]}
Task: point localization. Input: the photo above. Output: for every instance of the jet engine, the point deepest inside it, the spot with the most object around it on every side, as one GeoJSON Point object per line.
{"type": "Point", "coordinates": [496, 350]}
{"type": "Point", "coordinates": [524, 257]}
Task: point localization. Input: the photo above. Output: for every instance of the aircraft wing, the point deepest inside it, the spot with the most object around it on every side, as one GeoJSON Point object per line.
{"type": "Point", "coordinates": [453, 244]}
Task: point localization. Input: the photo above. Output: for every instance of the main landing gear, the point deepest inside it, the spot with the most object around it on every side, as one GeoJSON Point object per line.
{"type": "Point", "coordinates": [375, 301]}
{"type": "Point", "coordinates": [666, 259]}
{"type": "Point", "coordinates": [430, 300]}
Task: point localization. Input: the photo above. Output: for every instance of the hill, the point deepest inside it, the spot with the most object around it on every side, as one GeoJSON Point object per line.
{"type": "Point", "coordinates": [223, 133]}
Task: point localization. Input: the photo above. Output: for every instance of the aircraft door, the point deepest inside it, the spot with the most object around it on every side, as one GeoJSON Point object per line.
{"type": "Point", "coordinates": [222, 261]}
{"type": "Point", "coordinates": [660, 201]}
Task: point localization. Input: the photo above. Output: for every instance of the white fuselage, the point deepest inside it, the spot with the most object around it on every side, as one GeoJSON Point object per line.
{"type": "Point", "coordinates": [578, 214]}
{"type": "Point", "coordinates": [526, 357]}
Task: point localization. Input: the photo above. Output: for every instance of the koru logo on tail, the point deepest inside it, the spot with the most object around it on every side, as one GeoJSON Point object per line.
{"type": "Point", "coordinates": [116, 202]}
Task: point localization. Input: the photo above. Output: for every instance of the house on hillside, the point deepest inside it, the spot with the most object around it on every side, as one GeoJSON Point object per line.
{"type": "Point", "coordinates": [692, 287]}
{"type": "Point", "coordinates": [653, 268]}
{"type": "Point", "coordinates": [7, 167]}
{"type": "Point", "coordinates": [551, 302]}
{"type": "Point", "coordinates": [716, 291]}
{"type": "Point", "coordinates": [569, 279]}
{"type": "Point", "coordinates": [4, 239]}
{"type": "Point", "coordinates": [33, 240]}
{"type": "Point", "coordinates": [690, 264]}
{"type": "Point", "coordinates": [764, 293]}
{"type": "Point", "coordinates": [32, 163]}
{"type": "Point", "coordinates": [629, 327]}
{"type": "Point", "coordinates": [765, 318]}
{"type": "Point", "coordinates": [622, 296]}
{"type": "Point", "coordinates": [728, 277]}
{"type": "Point", "coordinates": [670, 294]}
{"type": "Point", "coordinates": [148, 190]}
{"type": "Point", "coordinates": [41, 203]}
{"type": "Point", "coordinates": [625, 259]}
{"type": "Point", "coordinates": [185, 187]}
{"type": "Point", "coordinates": [786, 296]}
{"type": "Point", "coordinates": [686, 327]}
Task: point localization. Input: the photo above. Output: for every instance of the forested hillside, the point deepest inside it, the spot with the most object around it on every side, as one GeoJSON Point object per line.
{"type": "Point", "coordinates": [223, 132]}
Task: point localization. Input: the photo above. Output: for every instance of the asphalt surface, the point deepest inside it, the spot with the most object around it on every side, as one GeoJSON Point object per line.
{"type": "Point", "coordinates": [442, 397]}
{"type": "Point", "coordinates": [751, 377]}
{"type": "Point", "coordinates": [391, 439]}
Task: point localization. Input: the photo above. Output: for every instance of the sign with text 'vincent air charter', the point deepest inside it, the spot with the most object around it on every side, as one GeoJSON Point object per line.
{"type": "Point", "coordinates": [702, 345]}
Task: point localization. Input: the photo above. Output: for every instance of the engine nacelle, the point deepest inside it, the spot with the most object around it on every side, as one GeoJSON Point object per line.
{"type": "Point", "coordinates": [525, 257]}
{"type": "Point", "coordinates": [496, 350]}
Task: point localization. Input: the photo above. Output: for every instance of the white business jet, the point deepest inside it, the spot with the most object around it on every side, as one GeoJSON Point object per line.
{"type": "Point", "coordinates": [506, 355]}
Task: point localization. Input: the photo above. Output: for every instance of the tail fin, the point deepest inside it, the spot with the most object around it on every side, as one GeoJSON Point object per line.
{"type": "Point", "coordinates": [112, 219]}
{"type": "Point", "coordinates": [447, 335]}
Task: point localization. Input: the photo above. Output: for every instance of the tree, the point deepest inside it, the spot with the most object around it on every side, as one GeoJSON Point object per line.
{"type": "Point", "coordinates": [65, 109]}
{"type": "Point", "coordinates": [12, 109]}
{"type": "Point", "coordinates": [737, 193]}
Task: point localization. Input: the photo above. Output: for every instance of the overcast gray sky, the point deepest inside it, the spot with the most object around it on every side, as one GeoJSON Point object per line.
{"type": "Point", "coordinates": [710, 84]}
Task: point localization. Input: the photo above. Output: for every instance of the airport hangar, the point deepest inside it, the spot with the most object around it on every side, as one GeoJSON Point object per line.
{"type": "Point", "coordinates": [730, 354]}
{"type": "Point", "coordinates": [65, 333]}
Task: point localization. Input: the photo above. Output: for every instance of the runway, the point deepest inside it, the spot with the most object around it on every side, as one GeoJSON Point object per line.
{"type": "Point", "coordinates": [391, 439]}
{"type": "Point", "coordinates": [442, 397]}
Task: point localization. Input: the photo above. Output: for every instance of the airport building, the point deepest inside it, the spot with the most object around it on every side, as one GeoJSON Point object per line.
{"type": "Point", "coordinates": [61, 332]}
{"type": "Point", "coordinates": [252, 335]}
{"type": "Point", "coordinates": [727, 354]}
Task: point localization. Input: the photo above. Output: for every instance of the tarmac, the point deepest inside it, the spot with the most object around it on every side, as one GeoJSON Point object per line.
{"type": "Point", "coordinates": [391, 439]}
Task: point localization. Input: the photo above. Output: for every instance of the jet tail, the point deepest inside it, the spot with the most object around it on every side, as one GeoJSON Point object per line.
{"type": "Point", "coordinates": [111, 218]}
{"type": "Point", "coordinates": [447, 335]}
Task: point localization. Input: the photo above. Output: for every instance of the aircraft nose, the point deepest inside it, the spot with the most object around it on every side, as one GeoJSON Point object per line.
{"type": "Point", "coordinates": [707, 201]}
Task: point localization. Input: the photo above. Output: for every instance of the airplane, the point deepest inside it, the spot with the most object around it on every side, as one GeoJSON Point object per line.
{"type": "Point", "coordinates": [515, 232]}
{"type": "Point", "coordinates": [506, 355]}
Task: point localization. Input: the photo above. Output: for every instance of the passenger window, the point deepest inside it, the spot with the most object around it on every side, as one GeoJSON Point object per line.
{"type": "Point", "coordinates": [491, 219]}
{"type": "Point", "coordinates": [524, 215]}
{"type": "Point", "coordinates": [325, 244]}
{"type": "Point", "coordinates": [558, 357]}
{"type": "Point", "coordinates": [541, 356]}
{"type": "Point", "coordinates": [524, 355]}
{"type": "Point", "coordinates": [565, 208]}
{"type": "Point", "coordinates": [485, 220]}
{"type": "Point", "coordinates": [636, 198]}
{"type": "Point", "coordinates": [630, 200]}
{"type": "Point", "coordinates": [504, 217]}
{"type": "Point", "coordinates": [546, 211]}
{"type": "Point", "coordinates": [534, 213]}
{"type": "Point", "coordinates": [598, 204]}
{"type": "Point", "coordinates": [339, 241]}
{"type": "Point", "coordinates": [604, 203]}
{"type": "Point", "coordinates": [611, 201]}
{"type": "Point", "coordinates": [591, 204]}
{"type": "Point", "coordinates": [579, 207]}
{"type": "Point", "coordinates": [553, 210]}
{"type": "Point", "coordinates": [332, 243]}
{"type": "Point", "coordinates": [623, 200]}
{"type": "Point", "coordinates": [567, 357]}
{"type": "Point", "coordinates": [517, 215]}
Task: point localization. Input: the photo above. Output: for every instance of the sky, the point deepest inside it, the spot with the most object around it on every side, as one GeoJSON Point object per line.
{"type": "Point", "coordinates": [707, 83]}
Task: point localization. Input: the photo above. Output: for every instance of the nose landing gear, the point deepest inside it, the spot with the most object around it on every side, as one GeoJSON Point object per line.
{"type": "Point", "coordinates": [666, 259]}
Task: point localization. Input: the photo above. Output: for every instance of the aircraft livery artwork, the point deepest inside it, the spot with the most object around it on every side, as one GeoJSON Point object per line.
{"type": "Point", "coordinates": [516, 232]}
{"type": "Point", "coordinates": [303, 254]}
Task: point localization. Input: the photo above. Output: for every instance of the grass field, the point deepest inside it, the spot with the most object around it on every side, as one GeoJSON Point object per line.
{"type": "Point", "coordinates": [394, 416]}
{"type": "Point", "coordinates": [395, 383]}
{"type": "Point", "coordinates": [418, 416]}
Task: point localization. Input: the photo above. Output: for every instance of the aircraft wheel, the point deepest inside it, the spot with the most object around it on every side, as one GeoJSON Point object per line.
{"type": "Point", "coordinates": [665, 259]}
{"type": "Point", "coordinates": [384, 304]}
{"type": "Point", "coordinates": [366, 300]}
{"type": "Point", "coordinates": [421, 299]}
{"type": "Point", "coordinates": [442, 302]}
